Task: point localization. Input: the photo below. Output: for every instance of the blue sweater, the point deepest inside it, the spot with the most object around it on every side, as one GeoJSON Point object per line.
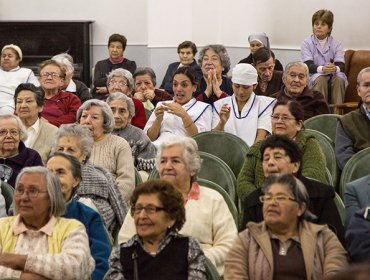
{"type": "Point", "coordinates": [98, 238]}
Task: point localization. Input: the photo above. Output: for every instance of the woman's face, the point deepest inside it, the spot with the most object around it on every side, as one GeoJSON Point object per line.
{"type": "Point", "coordinates": [152, 226]}
{"type": "Point", "coordinates": [50, 78]}
{"type": "Point", "coordinates": [186, 56]}
{"type": "Point", "coordinates": [255, 45]}
{"type": "Point", "coordinates": [9, 137]}
{"type": "Point", "coordinates": [321, 29]}
{"type": "Point", "coordinates": [183, 89]}
{"type": "Point", "coordinates": [9, 59]}
{"type": "Point", "coordinates": [211, 62]}
{"type": "Point", "coordinates": [289, 127]}
{"type": "Point", "coordinates": [143, 83]}
{"type": "Point", "coordinates": [93, 119]}
{"type": "Point", "coordinates": [115, 50]}
{"type": "Point", "coordinates": [119, 84]}
{"type": "Point", "coordinates": [120, 113]}
{"type": "Point", "coordinates": [242, 92]}
{"type": "Point", "coordinates": [61, 167]}
{"type": "Point", "coordinates": [71, 145]}
{"type": "Point", "coordinates": [26, 106]}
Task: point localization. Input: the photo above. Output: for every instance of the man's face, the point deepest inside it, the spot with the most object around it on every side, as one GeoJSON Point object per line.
{"type": "Point", "coordinates": [265, 69]}
{"type": "Point", "coordinates": [363, 88]}
{"type": "Point", "coordinates": [295, 80]}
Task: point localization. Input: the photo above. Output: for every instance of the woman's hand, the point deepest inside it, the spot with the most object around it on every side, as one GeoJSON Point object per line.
{"type": "Point", "coordinates": [159, 112]}
{"type": "Point", "coordinates": [209, 81]}
{"type": "Point", "coordinates": [32, 276]}
{"type": "Point", "coordinates": [175, 108]}
{"type": "Point", "coordinates": [216, 84]}
{"type": "Point", "coordinates": [224, 113]}
{"type": "Point", "coordinates": [329, 68]}
{"type": "Point", "coordinates": [149, 94]}
{"type": "Point", "coordinates": [139, 95]}
{"type": "Point", "coordinates": [13, 261]}
{"type": "Point", "coordinates": [101, 90]}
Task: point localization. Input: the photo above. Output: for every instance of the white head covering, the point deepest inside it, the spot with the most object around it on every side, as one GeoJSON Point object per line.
{"type": "Point", "coordinates": [244, 74]}
{"type": "Point", "coordinates": [14, 47]}
{"type": "Point", "coordinates": [260, 37]}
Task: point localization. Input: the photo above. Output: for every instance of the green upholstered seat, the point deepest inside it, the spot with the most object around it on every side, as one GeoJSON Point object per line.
{"type": "Point", "coordinates": [8, 192]}
{"type": "Point", "coordinates": [326, 123]}
{"type": "Point", "coordinates": [211, 271]}
{"type": "Point", "coordinates": [341, 208]}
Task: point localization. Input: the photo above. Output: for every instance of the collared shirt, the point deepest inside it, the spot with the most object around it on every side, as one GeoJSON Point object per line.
{"type": "Point", "coordinates": [71, 86]}
{"type": "Point", "coordinates": [284, 245]}
{"type": "Point", "coordinates": [367, 111]}
{"type": "Point", "coordinates": [193, 193]}
{"type": "Point", "coordinates": [32, 132]}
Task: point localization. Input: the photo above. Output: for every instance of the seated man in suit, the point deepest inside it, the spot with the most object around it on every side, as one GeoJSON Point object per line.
{"type": "Point", "coordinates": [353, 129]}
{"type": "Point", "coordinates": [282, 155]}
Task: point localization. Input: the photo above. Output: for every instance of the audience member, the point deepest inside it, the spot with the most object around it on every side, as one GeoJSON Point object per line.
{"type": "Point", "coordinates": [11, 75]}
{"type": "Point", "coordinates": [186, 51]}
{"type": "Point", "coordinates": [269, 80]}
{"type": "Point", "coordinates": [160, 251]}
{"type": "Point", "coordinates": [324, 57]}
{"type": "Point", "coordinates": [295, 79]}
{"type": "Point", "coordinates": [116, 48]}
{"type": "Point", "coordinates": [287, 120]}
{"type": "Point", "coordinates": [184, 116]}
{"type": "Point", "coordinates": [29, 103]}
{"type": "Point", "coordinates": [244, 108]}
{"type": "Point", "coordinates": [286, 244]}
{"type": "Point", "coordinates": [14, 155]}
{"type": "Point", "coordinates": [109, 151]}
{"type": "Point", "coordinates": [60, 107]}
{"type": "Point", "coordinates": [208, 217]}
{"type": "Point", "coordinates": [353, 272]}
{"type": "Point", "coordinates": [72, 85]}
{"type": "Point", "coordinates": [257, 41]}
{"type": "Point", "coordinates": [353, 129]}
{"type": "Point", "coordinates": [38, 243]}
{"type": "Point", "coordinates": [214, 83]}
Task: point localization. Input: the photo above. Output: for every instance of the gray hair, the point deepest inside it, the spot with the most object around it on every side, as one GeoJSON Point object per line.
{"type": "Point", "coordinates": [190, 154]}
{"type": "Point", "coordinates": [297, 189]}
{"type": "Point", "coordinates": [221, 51]}
{"type": "Point", "coordinates": [66, 60]}
{"type": "Point", "coordinates": [57, 204]}
{"type": "Point", "coordinates": [359, 76]}
{"type": "Point", "coordinates": [146, 71]}
{"type": "Point", "coordinates": [108, 122]}
{"type": "Point", "coordinates": [297, 64]}
{"type": "Point", "coordinates": [125, 98]}
{"type": "Point", "coordinates": [83, 134]}
{"type": "Point", "coordinates": [120, 72]}
{"type": "Point", "coordinates": [22, 129]}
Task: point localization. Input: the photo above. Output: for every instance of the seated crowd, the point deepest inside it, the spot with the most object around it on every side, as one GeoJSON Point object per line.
{"type": "Point", "coordinates": [106, 183]}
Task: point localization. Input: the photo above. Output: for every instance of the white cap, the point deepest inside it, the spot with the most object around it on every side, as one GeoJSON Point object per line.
{"type": "Point", "coordinates": [14, 47]}
{"type": "Point", "coordinates": [244, 74]}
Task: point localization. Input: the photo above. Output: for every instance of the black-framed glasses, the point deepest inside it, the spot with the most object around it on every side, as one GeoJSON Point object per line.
{"type": "Point", "coordinates": [282, 118]}
{"type": "Point", "coordinates": [53, 75]}
{"type": "Point", "coordinates": [32, 192]}
{"type": "Point", "coordinates": [149, 209]}
{"type": "Point", "coordinates": [275, 198]}
{"type": "Point", "coordinates": [5, 172]}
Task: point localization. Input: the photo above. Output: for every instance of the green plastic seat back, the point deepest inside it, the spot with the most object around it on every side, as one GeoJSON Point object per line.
{"type": "Point", "coordinates": [326, 124]}
{"type": "Point", "coordinates": [8, 192]}
{"type": "Point", "coordinates": [211, 271]}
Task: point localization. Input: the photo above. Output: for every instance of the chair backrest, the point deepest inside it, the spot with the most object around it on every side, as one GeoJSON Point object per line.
{"type": "Point", "coordinates": [356, 167]}
{"type": "Point", "coordinates": [138, 179]}
{"type": "Point", "coordinates": [226, 146]}
{"type": "Point", "coordinates": [8, 192]}
{"type": "Point", "coordinates": [340, 207]}
{"type": "Point", "coordinates": [326, 123]}
{"type": "Point", "coordinates": [211, 271]}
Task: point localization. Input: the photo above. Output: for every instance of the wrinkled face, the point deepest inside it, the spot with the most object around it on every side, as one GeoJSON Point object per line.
{"type": "Point", "coordinates": [143, 83]}
{"type": "Point", "coordinates": [242, 92]}
{"type": "Point", "coordinates": [211, 61]}
{"type": "Point", "coordinates": [266, 69]}
{"type": "Point", "coordinates": [93, 119]}
{"type": "Point", "coordinates": [282, 214]}
{"type": "Point", "coordinates": [71, 145]}
{"type": "Point", "coordinates": [119, 84]}
{"type": "Point", "coordinates": [275, 160]}
{"type": "Point", "coordinates": [286, 124]}
{"type": "Point", "coordinates": [50, 78]}
{"type": "Point", "coordinates": [321, 29]}
{"type": "Point", "coordinates": [295, 80]}
{"type": "Point", "coordinates": [363, 89]}
{"type": "Point", "coordinates": [37, 207]}
{"type": "Point", "coordinates": [120, 112]}
{"type": "Point", "coordinates": [182, 88]}
{"type": "Point", "coordinates": [151, 226]}
{"type": "Point", "coordinates": [26, 106]}
{"type": "Point", "coordinates": [115, 50]}
{"type": "Point", "coordinates": [255, 45]}
{"type": "Point", "coordinates": [61, 167]}
{"type": "Point", "coordinates": [9, 59]}
{"type": "Point", "coordinates": [186, 56]}
{"type": "Point", "coordinates": [9, 136]}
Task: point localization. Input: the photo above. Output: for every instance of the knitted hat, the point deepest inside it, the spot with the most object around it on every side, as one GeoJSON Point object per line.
{"type": "Point", "coordinates": [14, 47]}
{"type": "Point", "coordinates": [244, 74]}
{"type": "Point", "coordinates": [260, 37]}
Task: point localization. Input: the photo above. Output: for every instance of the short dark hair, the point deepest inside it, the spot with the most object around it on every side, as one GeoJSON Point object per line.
{"type": "Point", "coordinates": [325, 16]}
{"type": "Point", "coordinates": [118, 38]}
{"type": "Point", "coordinates": [187, 44]}
{"type": "Point", "coordinates": [262, 55]}
{"type": "Point", "coordinates": [38, 91]}
{"type": "Point", "coordinates": [145, 71]}
{"type": "Point", "coordinates": [169, 196]}
{"type": "Point", "coordinates": [294, 108]}
{"type": "Point", "coordinates": [189, 72]}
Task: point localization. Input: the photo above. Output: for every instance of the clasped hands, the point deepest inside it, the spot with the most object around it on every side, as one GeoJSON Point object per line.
{"type": "Point", "coordinates": [213, 83]}
{"type": "Point", "coordinates": [329, 68]}
{"type": "Point", "coordinates": [144, 96]}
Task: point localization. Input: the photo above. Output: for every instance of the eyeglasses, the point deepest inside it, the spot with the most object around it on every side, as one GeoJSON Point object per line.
{"type": "Point", "coordinates": [275, 198]}
{"type": "Point", "coordinates": [121, 84]}
{"type": "Point", "coordinates": [47, 74]}
{"type": "Point", "coordinates": [149, 209]}
{"type": "Point", "coordinates": [12, 132]}
{"type": "Point", "coordinates": [282, 118]}
{"type": "Point", "coordinates": [32, 193]}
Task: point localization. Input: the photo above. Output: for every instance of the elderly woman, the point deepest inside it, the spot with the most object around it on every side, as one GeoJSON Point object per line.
{"type": "Point", "coordinates": [158, 204]}
{"type": "Point", "coordinates": [116, 48]}
{"type": "Point", "coordinates": [72, 85]}
{"type": "Point", "coordinates": [109, 151]}
{"type": "Point", "coordinates": [14, 155]}
{"type": "Point", "coordinates": [60, 107]}
{"type": "Point", "coordinates": [143, 150]}
{"type": "Point", "coordinates": [286, 245]}
{"type": "Point", "coordinates": [68, 169]}
{"type": "Point", "coordinates": [11, 75]}
{"type": "Point", "coordinates": [29, 102]}
{"type": "Point", "coordinates": [208, 217]}
{"type": "Point", "coordinates": [286, 120]}
{"type": "Point", "coordinates": [37, 243]}
{"type": "Point", "coordinates": [185, 116]}
{"type": "Point", "coordinates": [244, 108]}
{"type": "Point", "coordinates": [97, 188]}
{"type": "Point", "coordinates": [215, 63]}
{"type": "Point", "coordinates": [120, 80]}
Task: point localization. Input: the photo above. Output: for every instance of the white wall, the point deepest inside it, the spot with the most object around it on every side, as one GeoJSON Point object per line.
{"type": "Point", "coordinates": [154, 28]}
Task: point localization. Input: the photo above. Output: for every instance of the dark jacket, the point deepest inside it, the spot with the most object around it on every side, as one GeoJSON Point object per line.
{"type": "Point", "coordinates": [273, 86]}
{"type": "Point", "coordinates": [82, 91]}
{"type": "Point", "coordinates": [249, 59]}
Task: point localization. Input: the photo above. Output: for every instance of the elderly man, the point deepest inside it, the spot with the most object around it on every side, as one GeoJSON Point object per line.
{"type": "Point", "coordinates": [353, 129]}
{"type": "Point", "coordinates": [295, 79]}
{"type": "Point", "coordinates": [269, 80]}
